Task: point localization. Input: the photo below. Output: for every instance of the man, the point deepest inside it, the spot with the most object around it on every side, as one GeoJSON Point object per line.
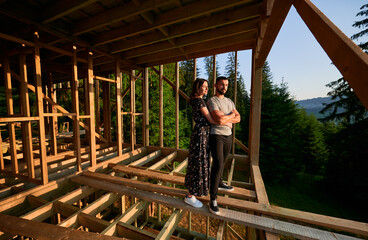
{"type": "Point", "coordinates": [223, 112]}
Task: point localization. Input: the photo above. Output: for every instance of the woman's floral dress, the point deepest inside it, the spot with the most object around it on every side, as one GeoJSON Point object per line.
{"type": "Point", "coordinates": [198, 173]}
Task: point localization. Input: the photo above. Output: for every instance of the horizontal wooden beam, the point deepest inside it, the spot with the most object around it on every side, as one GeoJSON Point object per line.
{"type": "Point", "coordinates": [263, 223]}
{"type": "Point", "coordinates": [247, 12]}
{"type": "Point", "coordinates": [40, 230]}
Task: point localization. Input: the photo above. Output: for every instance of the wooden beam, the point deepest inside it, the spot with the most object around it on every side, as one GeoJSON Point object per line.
{"type": "Point", "coordinates": [255, 112]}
{"type": "Point", "coordinates": [118, 106]}
{"type": "Point", "coordinates": [91, 112]}
{"type": "Point", "coordinates": [146, 107]}
{"type": "Point", "coordinates": [188, 40]}
{"type": "Point", "coordinates": [270, 27]}
{"type": "Point", "coordinates": [267, 224]}
{"type": "Point", "coordinates": [349, 59]}
{"type": "Point", "coordinates": [104, 79]}
{"type": "Point", "coordinates": [107, 110]}
{"type": "Point", "coordinates": [97, 106]}
{"type": "Point", "coordinates": [39, 96]}
{"type": "Point", "coordinates": [206, 45]}
{"type": "Point", "coordinates": [118, 13]}
{"type": "Point", "coordinates": [197, 25]}
{"type": "Point", "coordinates": [26, 126]}
{"type": "Point", "coordinates": [132, 110]}
{"type": "Point", "coordinates": [10, 111]}
{"type": "Point", "coordinates": [170, 225]}
{"type": "Point", "coordinates": [62, 8]}
{"type": "Point", "coordinates": [177, 76]}
{"type": "Point", "coordinates": [75, 109]}
{"type": "Point", "coordinates": [53, 126]}
{"type": "Point", "coordinates": [40, 230]}
{"type": "Point", "coordinates": [181, 14]}
{"type": "Point", "coordinates": [161, 106]}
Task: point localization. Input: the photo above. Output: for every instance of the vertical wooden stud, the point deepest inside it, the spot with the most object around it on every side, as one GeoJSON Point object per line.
{"type": "Point", "coordinates": [2, 165]}
{"type": "Point", "coordinates": [106, 110]}
{"type": "Point", "coordinates": [132, 109]}
{"type": "Point", "coordinates": [10, 109]}
{"type": "Point", "coordinates": [161, 103]}
{"type": "Point", "coordinates": [97, 105]}
{"type": "Point", "coordinates": [194, 69]}
{"type": "Point", "coordinates": [118, 107]}
{"type": "Point", "coordinates": [146, 106]}
{"type": "Point", "coordinates": [214, 74]}
{"type": "Point", "coordinates": [177, 105]}
{"type": "Point", "coordinates": [92, 135]}
{"type": "Point", "coordinates": [235, 94]}
{"type": "Point", "coordinates": [53, 120]}
{"type": "Point", "coordinates": [41, 125]}
{"type": "Point", "coordinates": [26, 126]}
{"type": "Point", "coordinates": [75, 104]}
{"type": "Point", "coordinates": [86, 105]}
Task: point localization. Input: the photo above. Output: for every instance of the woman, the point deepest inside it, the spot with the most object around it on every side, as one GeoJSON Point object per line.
{"type": "Point", "coordinates": [197, 177]}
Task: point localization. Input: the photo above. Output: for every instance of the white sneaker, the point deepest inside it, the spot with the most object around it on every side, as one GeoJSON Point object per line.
{"type": "Point", "coordinates": [193, 201]}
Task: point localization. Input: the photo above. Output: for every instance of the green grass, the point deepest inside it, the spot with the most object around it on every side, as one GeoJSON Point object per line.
{"type": "Point", "coordinates": [312, 197]}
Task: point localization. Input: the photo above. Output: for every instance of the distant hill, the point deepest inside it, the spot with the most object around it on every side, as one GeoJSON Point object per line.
{"type": "Point", "coordinates": [314, 105]}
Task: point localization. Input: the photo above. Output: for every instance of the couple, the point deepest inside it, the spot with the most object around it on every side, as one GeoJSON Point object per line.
{"type": "Point", "coordinates": [212, 131]}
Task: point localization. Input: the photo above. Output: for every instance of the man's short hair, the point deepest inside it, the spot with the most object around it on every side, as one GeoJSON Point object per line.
{"type": "Point", "coordinates": [221, 78]}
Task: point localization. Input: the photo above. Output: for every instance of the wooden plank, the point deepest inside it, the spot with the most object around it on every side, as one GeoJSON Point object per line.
{"type": "Point", "coordinates": [177, 76]}
{"type": "Point", "coordinates": [161, 106]}
{"type": "Point", "coordinates": [26, 126]}
{"type": "Point", "coordinates": [238, 192]}
{"type": "Point", "coordinates": [39, 97]}
{"type": "Point", "coordinates": [131, 232]}
{"type": "Point", "coordinates": [104, 79]}
{"type": "Point", "coordinates": [75, 109]}
{"type": "Point", "coordinates": [10, 111]}
{"type": "Point", "coordinates": [107, 110]}
{"type": "Point", "coordinates": [170, 225]}
{"type": "Point", "coordinates": [259, 222]}
{"type": "Point", "coordinates": [270, 27]}
{"type": "Point", "coordinates": [351, 61]}
{"type": "Point", "coordinates": [11, 120]}
{"type": "Point", "coordinates": [2, 166]}
{"type": "Point", "coordinates": [65, 210]}
{"type": "Point", "coordinates": [220, 231]}
{"type": "Point", "coordinates": [39, 230]}
{"type": "Point", "coordinates": [92, 138]}
{"type": "Point", "coordinates": [92, 223]}
{"type": "Point", "coordinates": [118, 107]}
{"type": "Point", "coordinates": [36, 201]}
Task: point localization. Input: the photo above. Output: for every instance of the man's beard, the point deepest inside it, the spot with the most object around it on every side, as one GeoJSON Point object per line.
{"type": "Point", "coordinates": [221, 92]}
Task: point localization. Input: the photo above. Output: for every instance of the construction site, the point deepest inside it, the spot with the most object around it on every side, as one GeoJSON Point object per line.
{"type": "Point", "coordinates": [84, 181]}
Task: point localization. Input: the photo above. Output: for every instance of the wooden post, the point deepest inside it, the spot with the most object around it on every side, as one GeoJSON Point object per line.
{"type": "Point", "coordinates": [146, 106]}
{"type": "Point", "coordinates": [106, 110]}
{"type": "Point", "coordinates": [53, 123]}
{"type": "Point", "coordinates": [39, 95]}
{"type": "Point", "coordinates": [86, 106]}
{"type": "Point", "coordinates": [132, 109]}
{"type": "Point", "coordinates": [118, 107]}
{"type": "Point", "coordinates": [161, 103]}
{"type": "Point", "coordinates": [26, 126]}
{"type": "Point", "coordinates": [97, 105]}
{"type": "Point", "coordinates": [255, 113]}
{"type": "Point", "coordinates": [75, 103]}
{"type": "Point", "coordinates": [194, 69]}
{"type": "Point", "coordinates": [214, 74]}
{"type": "Point", "coordinates": [177, 105]}
{"type": "Point", "coordinates": [10, 109]}
{"type": "Point", "coordinates": [92, 135]}
{"type": "Point", "coordinates": [235, 93]}
{"type": "Point", "coordinates": [2, 165]}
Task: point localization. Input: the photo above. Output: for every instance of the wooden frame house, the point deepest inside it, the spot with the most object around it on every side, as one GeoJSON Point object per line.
{"type": "Point", "coordinates": [97, 187]}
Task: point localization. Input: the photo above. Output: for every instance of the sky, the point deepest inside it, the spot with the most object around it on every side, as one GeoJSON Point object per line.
{"type": "Point", "coordinates": [296, 57]}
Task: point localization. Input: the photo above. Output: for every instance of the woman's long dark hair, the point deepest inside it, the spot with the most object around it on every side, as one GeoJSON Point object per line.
{"type": "Point", "coordinates": [196, 85]}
